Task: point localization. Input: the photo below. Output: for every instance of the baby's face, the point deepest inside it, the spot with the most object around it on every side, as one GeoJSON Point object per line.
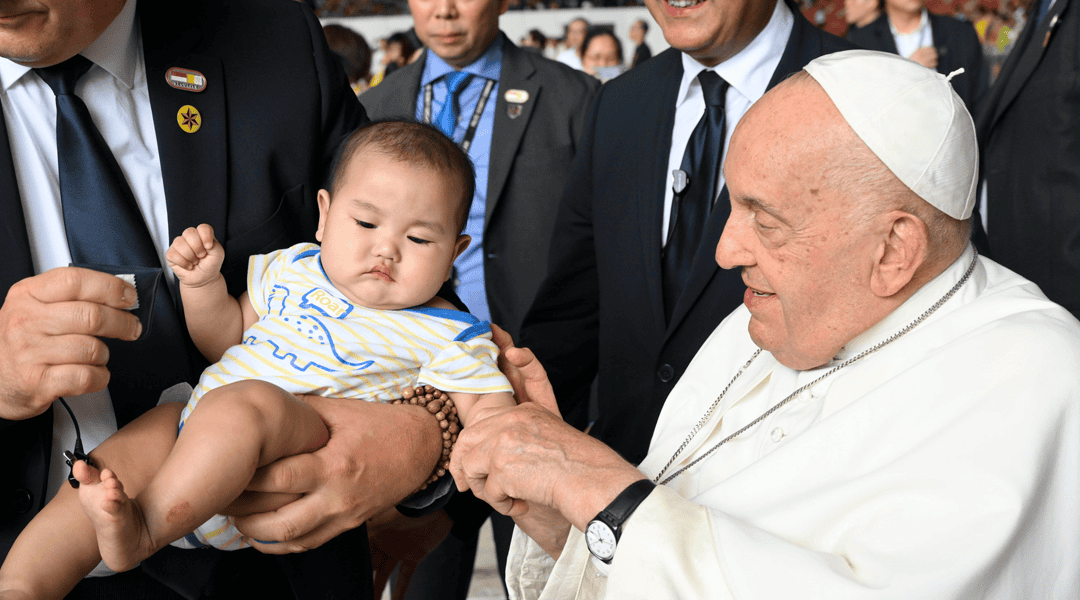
{"type": "Point", "coordinates": [389, 237]}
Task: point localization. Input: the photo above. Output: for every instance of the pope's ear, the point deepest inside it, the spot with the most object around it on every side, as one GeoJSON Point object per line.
{"type": "Point", "coordinates": [902, 251]}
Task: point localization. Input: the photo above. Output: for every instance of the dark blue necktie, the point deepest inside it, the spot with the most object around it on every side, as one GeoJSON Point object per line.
{"type": "Point", "coordinates": [446, 120]}
{"type": "Point", "coordinates": [690, 206]}
{"type": "Point", "coordinates": [106, 231]}
{"type": "Point", "coordinates": [1041, 10]}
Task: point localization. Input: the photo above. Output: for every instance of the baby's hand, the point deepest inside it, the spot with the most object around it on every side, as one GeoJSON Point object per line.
{"type": "Point", "coordinates": [196, 256]}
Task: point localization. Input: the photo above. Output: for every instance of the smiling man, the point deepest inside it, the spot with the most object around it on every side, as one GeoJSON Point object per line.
{"type": "Point", "coordinates": [635, 239]}
{"type": "Point", "coordinates": [887, 416]}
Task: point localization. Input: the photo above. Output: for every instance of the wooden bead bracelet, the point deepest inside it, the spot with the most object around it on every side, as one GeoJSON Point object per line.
{"type": "Point", "coordinates": [442, 407]}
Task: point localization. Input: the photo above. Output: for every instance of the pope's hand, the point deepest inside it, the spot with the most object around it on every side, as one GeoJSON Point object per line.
{"type": "Point", "coordinates": [377, 455]}
{"type": "Point", "coordinates": [49, 329]}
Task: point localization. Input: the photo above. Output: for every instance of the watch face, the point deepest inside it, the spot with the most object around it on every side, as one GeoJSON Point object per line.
{"type": "Point", "coordinates": [601, 540]}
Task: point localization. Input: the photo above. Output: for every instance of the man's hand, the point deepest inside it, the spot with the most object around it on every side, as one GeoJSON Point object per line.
{"type": "Point", "coordinates": [377, 455]}
{"type": "Point", "coordinates": [48, 343]}
{"type": "Point", "coordinates": [527, 463]}
{"type": "Point", "coordinates": [196, 256]}
{"type": "Point", "coordinates": [526, 375]}
{"type": "Point", "coordinates": [926, 56]}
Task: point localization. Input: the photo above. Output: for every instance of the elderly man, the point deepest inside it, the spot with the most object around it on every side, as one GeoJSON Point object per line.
{"type": "Point", "coordinates": [888, 416]}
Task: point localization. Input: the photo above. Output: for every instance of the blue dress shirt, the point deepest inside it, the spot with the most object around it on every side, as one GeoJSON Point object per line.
{"type": "Point", "coordinates": [469, 267]}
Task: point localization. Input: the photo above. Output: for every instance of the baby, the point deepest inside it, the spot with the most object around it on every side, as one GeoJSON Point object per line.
{"type": "Point", "coordinates": [356, 316]}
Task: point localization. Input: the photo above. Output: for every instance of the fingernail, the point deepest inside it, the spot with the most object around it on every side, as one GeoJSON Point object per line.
{"type": "Point", "coordinates": [262, 542]}
{"type": "Point", "coordinates": [130, 295]}
{"type": "Point", "coordinates": [138, 328]}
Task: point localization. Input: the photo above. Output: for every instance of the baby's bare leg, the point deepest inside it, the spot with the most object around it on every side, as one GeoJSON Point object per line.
{"type": "Point", "coordinates": [234, 430]}
{"type": "Point", "coordinates": [59, 547]}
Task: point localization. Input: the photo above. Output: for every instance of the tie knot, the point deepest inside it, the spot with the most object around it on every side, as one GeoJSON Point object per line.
{"type": "Point", "coordinates": [455, 81]}
{"type": "Point", "coordinates": [63, 77]}
{"type": "Point", "coordinates": [713, 87]}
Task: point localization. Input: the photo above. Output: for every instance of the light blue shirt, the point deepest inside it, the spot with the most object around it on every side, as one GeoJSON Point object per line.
{"type": "Point", "coordinates": [469, 267]}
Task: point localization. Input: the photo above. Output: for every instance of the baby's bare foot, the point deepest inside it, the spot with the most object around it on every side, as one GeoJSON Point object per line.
{"type": "Point", "coordinates": [121, 529]}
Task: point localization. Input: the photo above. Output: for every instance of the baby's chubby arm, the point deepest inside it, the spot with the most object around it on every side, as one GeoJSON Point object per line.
{"type": "Point", "coordinates": [215, 320]}
{"type": "Point", "coordinates": [472, 406]}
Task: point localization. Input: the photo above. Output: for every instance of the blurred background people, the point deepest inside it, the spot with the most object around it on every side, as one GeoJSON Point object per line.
{"type": "Point", "coordinates": [534, 40]}
{"type": "Point", "coordinates": [573, 42]}
{"type": "Point", "coordinates": [860, 13]}
{"type": "Point", "coordinates": [602, 55]}
{"type": "Point", "coordinates": [934, 41]}
{"type": "Point", "coordinates": [642, 52]}
{"type": "Point", "coordinates": [354, 53]}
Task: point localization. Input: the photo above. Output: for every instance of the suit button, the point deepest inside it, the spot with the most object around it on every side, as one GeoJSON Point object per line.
{"type": "Point", "coordinates": [22, 501]}
{"type": "Point", "coordinates": [666, 373]}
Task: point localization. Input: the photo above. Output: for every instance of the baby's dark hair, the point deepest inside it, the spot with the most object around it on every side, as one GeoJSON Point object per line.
{"type": "Point", "coordinates": [417, 144]}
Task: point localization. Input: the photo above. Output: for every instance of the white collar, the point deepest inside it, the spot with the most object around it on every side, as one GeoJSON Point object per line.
{"type": "Point", "coordinates": [923, 20]}
{"type": "Point", "coordinates": [115, 50]}
{"type": "Point", "coordinates": [749, 71]}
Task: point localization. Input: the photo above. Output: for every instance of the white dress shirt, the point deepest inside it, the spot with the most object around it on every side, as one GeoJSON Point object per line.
{"type": "Point", "coordinates": [116, 95]}
{"type": "Point", "coordinates": [748, 73]}
{"type": "Point", "coordinates": [908, 43]}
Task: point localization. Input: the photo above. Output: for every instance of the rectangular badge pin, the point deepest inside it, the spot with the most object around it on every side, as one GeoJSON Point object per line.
{"type": "Point", "coordinates": [186, 79]}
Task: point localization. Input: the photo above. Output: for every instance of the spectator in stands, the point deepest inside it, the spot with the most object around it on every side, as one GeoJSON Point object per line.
{"type": "Point", "coordinates": [642, 52]}
{"type": "Point", "coordinates": [602, 55]}
{"type": "Point", "coordinates": [398, 51]}
{"type": "Point", "coordinates": [934, 41]}
{"type": "Point", "coordinates": [354, 53]}
{"type": "Point", "coordinates": [534, 40]}
{"type": "Point", "coordinates": [574, 43]}
{"type": "Point", "coordinates": [860, 13]}
{"type": "Point", "coordinates": [531, 113]}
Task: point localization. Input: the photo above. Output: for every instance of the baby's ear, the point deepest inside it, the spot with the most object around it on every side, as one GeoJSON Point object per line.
{"type": "Point", "coordinates": [462, 243]}
{"type": "Point", "coordinates": [324, 207]}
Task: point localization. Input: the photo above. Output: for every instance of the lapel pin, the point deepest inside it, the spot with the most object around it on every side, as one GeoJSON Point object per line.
{"type": "Point", "coordinates": [679, 180]}
{"type": "Point", "coordinates": [513, 111]}
{"type": "Point", "coordinates": [186, 79]}
{"type": "Point", "coordinates": [1053, 24]}
{"type": "Point", "coordinates": [516, 96]}
{"type": "Point", "coordinates": [188, 118]}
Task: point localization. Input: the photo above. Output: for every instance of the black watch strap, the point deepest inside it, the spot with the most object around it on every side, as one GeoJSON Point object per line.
{"type": "Point", "coordinates": [625, 504]}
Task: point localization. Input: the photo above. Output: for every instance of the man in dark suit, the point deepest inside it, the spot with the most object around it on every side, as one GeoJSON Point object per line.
{"type": "Point", "coordinates": [526, 134]}
{"type": "Point", "coordinates": [1029, 130]}
{"type": "Point", "coordinates": [602, 311]}
{"type": "Point", "coordinates": [954, 44]}
{"type": "Point", "coordinates": [228, 114]}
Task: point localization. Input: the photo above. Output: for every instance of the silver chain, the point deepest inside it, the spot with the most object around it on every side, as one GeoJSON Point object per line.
{"type": "Point", "coordinates": [795, 394]}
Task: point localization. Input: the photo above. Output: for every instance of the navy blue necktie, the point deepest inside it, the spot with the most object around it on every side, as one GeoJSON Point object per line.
{"type": "Point", "coordinates": [446, 120]}
{"type": "Point", "coordinates": [106, 231]}
{"type": "Point", "coordinates": [690, 206]}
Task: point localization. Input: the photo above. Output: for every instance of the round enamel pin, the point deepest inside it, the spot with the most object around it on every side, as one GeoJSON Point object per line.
{"type": "Point", "coordinates": [188, 118]}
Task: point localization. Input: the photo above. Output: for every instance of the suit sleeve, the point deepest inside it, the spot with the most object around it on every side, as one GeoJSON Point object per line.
{"type": "Point", "coordinates": [562, 327]}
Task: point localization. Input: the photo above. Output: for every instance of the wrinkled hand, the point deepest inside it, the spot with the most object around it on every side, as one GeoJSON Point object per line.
{"type": "Point", "coordinates": [196, 256]}
{"type": "Point", "coordinates": [526, 375]}
{"type": "Point", "coordinates": [377, 455]}
{"type": "Point", "coordinates": [926, 56]}
{"type": "Point", "coordinates": [49, 348]}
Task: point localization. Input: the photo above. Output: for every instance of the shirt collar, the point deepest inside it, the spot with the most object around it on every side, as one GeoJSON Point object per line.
{"type": "Point", "coordinates": [487, 66]}
{"type": "Point", "coordinates": [115, 50]}
{"type": "Point", "coordinates": [749, 71]}
{"type": "Point", "coordinates": [923, 19]}
{"type": "Point", "coordinates": [911, 309]}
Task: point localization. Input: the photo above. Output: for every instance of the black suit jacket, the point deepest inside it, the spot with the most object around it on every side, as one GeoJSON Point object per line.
{"type": "Point", "coordinates": [600, 311]}
{"type": "Point", "coordinates": [530, 162]}
{"type": "Point", "coordinates": [957, 46]}
{"type": "Point", "coordinates": [275, 106]}
{"type": "Point", "coordinates": [1029, 132]}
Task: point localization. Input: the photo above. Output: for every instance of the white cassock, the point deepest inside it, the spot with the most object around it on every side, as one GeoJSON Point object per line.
{"type": "Point", "coordinates": [944, 466]}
